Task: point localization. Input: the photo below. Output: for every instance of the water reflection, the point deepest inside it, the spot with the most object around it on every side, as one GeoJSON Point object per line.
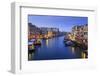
{"type": "Point", "coordinates": [77, 51]}
{"type": "Point", "coordinates": [73, 50]}
{"type": "Point", "coordinates": [84, 55]}
{"type": "Point", "coordinates": [30, 56]}
{"type": "Point", "coordinates": [31, 53]}
{"type": "Point", "coordinates": [55, 49]}
{"type": "Point", "coordinates": [47, 42]}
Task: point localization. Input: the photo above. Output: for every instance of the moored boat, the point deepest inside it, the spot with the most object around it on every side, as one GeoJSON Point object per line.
{"type": "Point", "coordinates": [37, 42]}
{"type": "Point", "coordinates": [69, 43]}
{"type": "Point", "coordinates": [31, 47]}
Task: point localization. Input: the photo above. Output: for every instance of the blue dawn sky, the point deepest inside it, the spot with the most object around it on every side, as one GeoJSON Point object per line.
{"type": "Point", "coordinates": [64, 23]}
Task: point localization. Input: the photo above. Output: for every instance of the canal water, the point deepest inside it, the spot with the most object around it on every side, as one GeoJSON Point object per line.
{"type": "Point", "coordinates": [55, 48]}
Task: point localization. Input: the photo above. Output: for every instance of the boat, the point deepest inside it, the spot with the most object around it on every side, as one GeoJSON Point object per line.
{"type": "Point", "coordinates": [37, 42]}
{"type": "Point", "coordinates": [65, 40]}
{"type": "Point", "coordinates": [32, 40]}
{"type": "Point", "coordinates": [69, 43]}
{"type": "Point", "coordinates": [31, 47]}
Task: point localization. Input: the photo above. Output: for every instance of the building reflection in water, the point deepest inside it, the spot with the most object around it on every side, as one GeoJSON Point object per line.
{"type": "Point", "coordinates": [31, 53]}
{"type": "Point", "coordinates": [83, 55]}
{"type": "Point", "coordinates": [73, 50]}
{"type": "Point", "coordinates": [76, 49]}
{"type": "Point", "coordinates": [53, 44]}
{"type": "Point", "coordinates": [30, 56]}
{"type": "Point", "coordinates": [47, 42]}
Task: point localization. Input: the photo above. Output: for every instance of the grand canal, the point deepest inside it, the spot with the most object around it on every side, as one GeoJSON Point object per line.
{"type": "Point", "coordinates": [54, 48]}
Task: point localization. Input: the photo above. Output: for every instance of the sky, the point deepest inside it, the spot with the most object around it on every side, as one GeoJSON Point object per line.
{"type": "Point", "coordinates": [64, 23]}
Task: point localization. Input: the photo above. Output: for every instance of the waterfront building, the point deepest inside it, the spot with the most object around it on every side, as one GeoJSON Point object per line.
{"type": "Point", "coordinates": [80, 33]}
{"type": "Point", "coordinates": [36, 32]}
{"type": "Point", "coordinates": [49, 32]}
{"type": "Point", "coordinates": [33, 31]}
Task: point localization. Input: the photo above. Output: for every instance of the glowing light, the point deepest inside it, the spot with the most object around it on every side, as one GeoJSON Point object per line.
{"type": "Point", "coordinates": [83, 55]}
{"type": "Point", "coordinates": [47, 41]}
{"type": "Point", "coordinates": [73, 50]}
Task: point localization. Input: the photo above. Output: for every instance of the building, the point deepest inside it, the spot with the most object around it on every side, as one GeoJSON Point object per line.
{"type": "Point", "coordinates": [49, 32]}
{"type": "Point", "coordinates": [36, 32]}
{"type": "Point", "coordinates": [80, 33]}
{"type": "Point", "coordinates": [45, 29]}
{"type": "Point", "coordinates": [33, 31]}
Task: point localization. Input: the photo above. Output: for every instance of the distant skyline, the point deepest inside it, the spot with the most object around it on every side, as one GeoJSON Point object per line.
{"type": "Point", "coordinates": [64, 23]}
